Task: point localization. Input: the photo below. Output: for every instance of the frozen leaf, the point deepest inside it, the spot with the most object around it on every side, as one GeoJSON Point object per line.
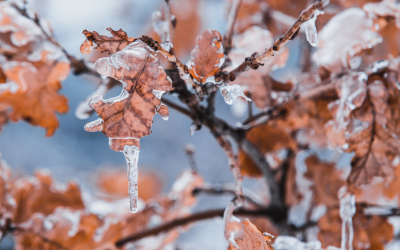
{"type": "Point", "coordinates": [117, 42]}
{"type": "Point", "coordinates": [339, 42]}
{"type": "Point", "coordinates": [254, 81]}
{"type": "Point", "coordinates": [40, 195]}
{"type": "Point", "coordinates": [327, 180]}
{"type": "Point", "coordinates": [128, 117]}
{"type": "Point", "coordinates": [23, 30]}
{"type": "Point", "coordinates": [207, 57]}
{"type": "Point", "coordinates": [69, 229]}
{"type": "Point", "coordinates": [36, 99]}
{"type": "Point", "coordinates": [251, 238]}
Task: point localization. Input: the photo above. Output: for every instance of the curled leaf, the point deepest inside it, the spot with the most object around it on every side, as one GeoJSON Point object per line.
{"type": "Point", "coordinates": [207, 57]}
{"type": "Point", "coordinates": [117, 42]}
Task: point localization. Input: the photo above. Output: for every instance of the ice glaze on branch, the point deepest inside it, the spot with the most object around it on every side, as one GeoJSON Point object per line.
{"type": "Point", "coordinates": [258, 58]}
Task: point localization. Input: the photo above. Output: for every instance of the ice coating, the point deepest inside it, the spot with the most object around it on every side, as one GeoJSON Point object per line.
{"type": "Point", "coordinates": [231, 93]}
{"type": "Point", "coordinates": [86, 47]}
{"type": "Point", "coordinates": [158, 93]}
{"type": "Point", "coordinates": [167, 46]}
{"type": "Point", "coordinates": [9, 86]}
{"type": "Point", "coordinates": [94, 126]}
{"type": "Point", "coordinates": [132, 157]}
{"type": "Point", "coordinates": [289, 242]}
{"type": "Point", "coordinates": [311, 30]}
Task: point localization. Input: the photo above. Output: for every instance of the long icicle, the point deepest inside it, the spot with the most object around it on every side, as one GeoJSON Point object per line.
{"type": "Point", "coordinates": [347, 211]}
{"type": "Point", "coordinates": [132, 157]}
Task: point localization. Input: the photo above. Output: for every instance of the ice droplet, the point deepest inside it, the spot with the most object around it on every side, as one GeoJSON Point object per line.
{"type": "Point", "coordinates": [132, 157]}
{"type": "Point", "coordinates": [311, 30]}
{"type": "Point", "coordinates": [231, 92]}
{"type": "Point", "coordinates": [94, 126]}
{"type": "Point", "coordinates": [347, 211]}
{"type": "Point", "coordinates": [157, 93]}
{"type": "Point", "coordinates": [167, 46]}
{"type": "Point", "coordinates": [193, 128]}
{"type": "Point", "coordinates": [86, 47]}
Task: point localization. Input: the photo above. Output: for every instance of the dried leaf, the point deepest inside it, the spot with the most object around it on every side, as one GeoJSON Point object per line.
{"type": "Point", "coordinates": [117, 42]}
{"type": "Point", "coordinates": [327, 180]}
{"type": "Point", "coordinates": [252, 238]}
{"type": "Point", "coordinates": [207, 57]}
{"type": "Point", "coordinates": [36, 99]}
{"type": "Point", "coordinates": [68, 229]}
{"type": "Point", "coordinates": [128, 117]}
{"type": "Point", "coordinates": [40, 195]}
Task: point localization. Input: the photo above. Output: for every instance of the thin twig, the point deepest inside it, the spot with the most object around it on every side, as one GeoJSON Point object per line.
{"type": "Point", "coordinates": [189, 219]}
{"type": "Point", "coordinates": [257, 59]}
{"type": "Point", "coordinates": [230, 25]}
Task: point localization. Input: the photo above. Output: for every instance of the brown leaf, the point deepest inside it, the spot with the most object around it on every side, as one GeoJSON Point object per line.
{"type": "Point", "coordinates": [40, 195]}
{"type": "Point", "coordinates": [68, 229]}
{"type": "Point", "coordinates": [252, 238]}
{"type": "Point", "coordinates": [207, 57]}
{"type": "Point", "coordinates": [268, 139]}
{"type": "Point", "coordinates": [115, 183]}
{"type": "Point", "coordinates": [127, 118]}
{"type": "Point", "coordinates": [36, 100]}
{"type": "Point", "coordinates": [327, 180]}
{"type": "Point", "coordinates": [117, 42]}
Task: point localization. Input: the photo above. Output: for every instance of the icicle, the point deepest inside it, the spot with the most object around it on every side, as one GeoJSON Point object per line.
{"type": "Point", "coordinates": [231, 92]}
{"type": "Point", "coordinates": [347, 211]}
{"type": "Point", "coordinates": [132, 156]}
{"type": "Point", "coordinates": [311, 30]}
{"type": "Point", "coordinates": [157, 93]}
{"type": "Point", "coordinates": [193, 129]}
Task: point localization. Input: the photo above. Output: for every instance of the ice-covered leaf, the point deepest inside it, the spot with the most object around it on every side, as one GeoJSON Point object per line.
{"type": "Point", "coordinates": [40, 195]}
{"type": "Point", "coordinates": [69, 229]}
{"type": "Point", "coordinates": [207, 57]}
{"type": "Point", "coordinates": [251, 238]}
{"type": "Point", "coordinates": [36, 98]}
{"type": "Point", "coordinates": [23, 30]}
{"type": "Point", "coordinates": [117, 42]}
{"type": "Point", "coordinates": [340, 44]}
{"type": "Point", "coordinates": [254, 81]}
{"type": "Point", "coordinates": [327, 180]}
{"type": "Point", "coordinates": [128, 117]}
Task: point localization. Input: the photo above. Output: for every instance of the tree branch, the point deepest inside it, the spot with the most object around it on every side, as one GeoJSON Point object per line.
{"type": "Point", "coordinates": [189, 219]}
{"type": "Point", "coordinates": [230, 25]}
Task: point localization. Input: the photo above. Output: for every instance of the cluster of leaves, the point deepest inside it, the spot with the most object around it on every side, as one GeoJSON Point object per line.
{"type": "Point", "coordinates": [343, 98]}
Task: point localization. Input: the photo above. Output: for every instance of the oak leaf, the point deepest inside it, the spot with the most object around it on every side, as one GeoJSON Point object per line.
{"type": "Point", "coordinates": [251, 238]}
{"type": "Point", "coordinates": [117, 42]}
{"type": "Point", "coordinates": [128, 117]}
{"type": "Point", "coordinates": [207, 57]}
{"type": "Point", "coordinates": [41, 195]}
{"type": "Point", "coordinates": [36, 99]}
{"type": "Point", "coordinates": [69, 229]}
{"type": "Point", "coordinates": [327, 180]}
